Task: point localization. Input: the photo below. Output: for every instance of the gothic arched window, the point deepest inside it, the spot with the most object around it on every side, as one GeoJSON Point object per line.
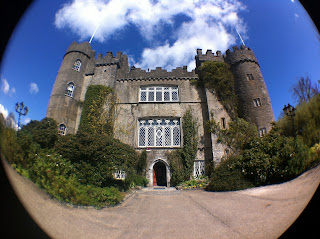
{"type": "Point", "coordinates": [70, 89]}
{"type": "Point", "coordinates": [62, 129]}
{"type": "Point", "coordinates": [77, 65]}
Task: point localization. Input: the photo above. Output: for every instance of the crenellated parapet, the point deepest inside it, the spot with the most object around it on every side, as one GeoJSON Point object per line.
{"type": "Point", "coordinates": [110, 59]}
{"type": "Point", "coordinates": [158, 73]}
{"type": "Point", "coordinates": [244, 54]}
{"type": "Point", "coordinates": [209, 56]}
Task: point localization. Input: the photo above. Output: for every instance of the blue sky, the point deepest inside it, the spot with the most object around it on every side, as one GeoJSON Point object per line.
{"type": "Point", "coordinates": [162, 33]}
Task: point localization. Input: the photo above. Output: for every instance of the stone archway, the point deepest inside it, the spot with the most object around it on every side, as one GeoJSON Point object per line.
{"type": "Point", "coordinates": [160, 174]}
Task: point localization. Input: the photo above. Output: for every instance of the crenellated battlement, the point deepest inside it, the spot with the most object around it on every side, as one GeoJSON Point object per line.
{"type": "Point", "coordinates": [238, 55]}
{"type": "Point", "coordinates": [110, 59]}
{"type": "Point", "coordinates": [159, 73]}
{"type": "Point", "coordinates": [209, 56]}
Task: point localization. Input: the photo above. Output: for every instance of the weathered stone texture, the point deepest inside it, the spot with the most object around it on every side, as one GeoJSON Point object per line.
{"type": "Point", "coordinates": [113, 71]}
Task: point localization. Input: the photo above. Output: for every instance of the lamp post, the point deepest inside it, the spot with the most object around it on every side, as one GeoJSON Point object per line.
{"type": "Point", "coordinates": [290, 111]}
{"type": "Point", "coordinates": [19, 109]}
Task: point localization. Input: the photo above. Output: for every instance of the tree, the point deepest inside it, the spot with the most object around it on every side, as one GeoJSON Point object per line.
{"type": "Point", "coordinates": [304, 90]}
{"type": "Point", "coordinates": [43, 132]}
{"type": "Point", "coordinates": [11, 121]}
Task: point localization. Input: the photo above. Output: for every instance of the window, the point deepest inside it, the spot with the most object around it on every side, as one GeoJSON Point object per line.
{"type": "Point", "coordinates": [159, 94]}
{"type": "Point", "coordinates": [62, 129]}
{"type": "Point", "coordinates": [159, 133]}
{"type": "Point", "coordinates": [77, 65]}
{"type": "Point", "coordinates": [223, 123]}
{"type": "Point", "coordinates": [120, 174]}
{"type": "Point", "coordinates": [250, 77]}
{"type": "Point", "coordinates": [70, 89]}
{"type": "Point", "coordinates": [262, 132]}
{"type": "Point", "coordinates": [198, 169]}
{"type": "Point", "coordinates": [257, 102]}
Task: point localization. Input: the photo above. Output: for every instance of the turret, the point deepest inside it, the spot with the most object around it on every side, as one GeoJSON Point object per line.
{"type": "Point", "coordinates": [254, 102]}
{"type": "Point", "coordinates": [64, 104]}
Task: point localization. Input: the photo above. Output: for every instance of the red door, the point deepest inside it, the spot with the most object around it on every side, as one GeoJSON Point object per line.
{"type": "Point", "coordinates": [154, 178]}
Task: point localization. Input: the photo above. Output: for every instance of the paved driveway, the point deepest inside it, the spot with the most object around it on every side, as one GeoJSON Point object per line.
{"type": "Point", "coordinates": [264, 212]}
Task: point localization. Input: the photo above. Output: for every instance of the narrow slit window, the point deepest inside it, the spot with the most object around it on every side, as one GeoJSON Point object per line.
{"type": "Point", "coordinates": [257, 102]}
{"type": "Point", "coordinates": [250, 77]}
{"type": "Point", "coordinates": [223, 123]}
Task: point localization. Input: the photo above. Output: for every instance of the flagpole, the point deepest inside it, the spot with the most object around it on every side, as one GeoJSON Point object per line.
{"type": "Point", "coordinates": [93, 33]}
{"type": "Point", "coordinates": [240, 37]}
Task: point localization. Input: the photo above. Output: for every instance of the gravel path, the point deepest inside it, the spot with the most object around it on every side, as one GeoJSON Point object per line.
{"type": "Point", "coordinates": [264, 212]}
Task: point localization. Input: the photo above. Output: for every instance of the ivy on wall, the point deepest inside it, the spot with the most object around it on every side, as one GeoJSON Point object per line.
{"type": "Point", "coordinates": [181, 161]}
{"type": "Point", "coordinates": [217, 77]}
{"type": "Point", "coordinates": [98, 110]}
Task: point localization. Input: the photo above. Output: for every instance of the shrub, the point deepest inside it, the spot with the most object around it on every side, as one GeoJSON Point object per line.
{"type": "Point", "coordinates": [9, 146]}
{"type": "Point", "coordinates": [142, 163]}
{"type": "Point", "coordinates": [228, 177]}
{"type": "Point", "coordinates": [96, 158]}
{"type": "Point", "coordinates": [273, 159]}
{"type": "Point", "coordinates": [57, 177]}
{"type": "Point", "coordinates": [136, 180]}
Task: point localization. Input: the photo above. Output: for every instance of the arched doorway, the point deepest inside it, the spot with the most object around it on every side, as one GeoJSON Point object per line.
{"type": "Point", "coordinates": [159, 174]}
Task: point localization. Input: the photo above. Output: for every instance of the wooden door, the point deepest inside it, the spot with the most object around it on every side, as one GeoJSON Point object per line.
{"type": "Point", "coordinates": [154, 178]}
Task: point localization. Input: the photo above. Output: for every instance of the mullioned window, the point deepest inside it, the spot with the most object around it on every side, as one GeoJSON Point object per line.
{"type": "Point", "coordinates": [159, 94]}
{"type": "Point", "coordinates": [159, 133]}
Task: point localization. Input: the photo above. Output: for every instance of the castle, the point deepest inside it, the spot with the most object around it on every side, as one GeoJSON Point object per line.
{"type": "Point", "coordinates": [151, 104]}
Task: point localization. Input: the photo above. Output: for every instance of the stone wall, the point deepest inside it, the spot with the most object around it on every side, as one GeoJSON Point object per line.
{"type": "Point", "coordinates": [113, 71]}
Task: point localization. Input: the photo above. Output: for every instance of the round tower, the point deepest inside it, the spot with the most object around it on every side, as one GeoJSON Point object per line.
{"type": "Point", "coordinates": [254, 102]}
{"type": "Point", "coordinates": [64, 104]}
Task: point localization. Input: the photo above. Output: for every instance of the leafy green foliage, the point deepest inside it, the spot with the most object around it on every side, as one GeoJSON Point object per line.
{"type": "Point", "coordinates": [98, 110]}
{"type": "Point", "coordinates": [236, 136]}
{"type": "Point", "coordinates": [9, 146]}
{"type": "Point", "coordinates": [76, 169]}
{"type": "Point", "coordinates": [96, 158]}
{"type": "Point", "coordinates": [181, 161]}
{"type": "Point", "coordinates": [306, 122]}
{"type": "Point", "coordinates": [274, 158]}
{"type": "Point", "coordinates": [57, 176]}
{"type": "Point", "coordinates": [228, 177]}
{"type": "Point", "coordinates": [217, 77]}
{"type": "Point", "coordinates": [142, 163]}
{"type": "Point", "coordinates": [43, 132]}
{"type": "Point", "coordinates": [201, 182]}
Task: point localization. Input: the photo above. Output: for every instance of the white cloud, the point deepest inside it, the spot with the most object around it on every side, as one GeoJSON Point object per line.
{"type": "Point", "coordinates": [34, 89]}
{"type": "Point", "coordinates": [210, 25]}
{"type": "Point", "coordinates": [5, 87]}
{"type": "Point", "coordinates": [4, 111]}
{"type": "Point", "coordinates": [27, 120]}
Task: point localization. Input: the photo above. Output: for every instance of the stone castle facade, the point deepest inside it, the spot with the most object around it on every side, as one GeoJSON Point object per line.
{"type": "Point", "coordinates": [151, 104]}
